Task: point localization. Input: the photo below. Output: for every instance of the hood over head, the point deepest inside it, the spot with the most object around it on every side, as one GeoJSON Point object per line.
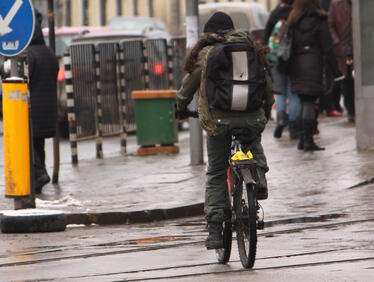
{"type": "Point", "coordinates": [38, 38]}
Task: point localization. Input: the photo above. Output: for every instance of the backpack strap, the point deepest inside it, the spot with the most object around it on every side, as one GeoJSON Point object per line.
{"type": "Point", "coordinates": [205, 116]}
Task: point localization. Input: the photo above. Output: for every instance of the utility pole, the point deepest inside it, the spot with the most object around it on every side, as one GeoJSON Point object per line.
{"type": "Point", "coordinates": [56, 139]}
{"type": "Point", "coordinates": [192, 34]}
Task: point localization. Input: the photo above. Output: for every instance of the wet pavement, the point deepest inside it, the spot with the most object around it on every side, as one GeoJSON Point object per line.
{"type": "Point", "coordinates": [166, 186]}
{"type": "Point", "coordinates": [319, 217]}
{"type": "Point", "coordinates": [335, 249]}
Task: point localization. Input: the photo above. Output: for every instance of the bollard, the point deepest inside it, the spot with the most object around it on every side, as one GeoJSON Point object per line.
{"type": "Point", "coordinates": [16, 138]}
{"type": "Point", "coordinates": [121, 85]}
{"type": "Point", "coordinates": [71, 109]}
{"type": "Point", "coordinates": [99, 126]}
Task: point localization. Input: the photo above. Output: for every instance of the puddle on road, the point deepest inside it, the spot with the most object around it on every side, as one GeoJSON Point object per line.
{"type": "Point", "coordinates": [144, 241]}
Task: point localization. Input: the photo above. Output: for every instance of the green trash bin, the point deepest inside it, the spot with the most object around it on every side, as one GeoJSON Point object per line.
{"type": "Point", "coordinates": [156, 127]}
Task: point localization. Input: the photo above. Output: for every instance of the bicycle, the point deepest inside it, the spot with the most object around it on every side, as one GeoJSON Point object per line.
{"type": "Point", "coordinates": [247, 215]}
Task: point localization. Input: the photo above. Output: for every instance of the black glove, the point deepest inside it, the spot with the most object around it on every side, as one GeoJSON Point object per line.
{"type": "Point", "coordinates": [183, 114]}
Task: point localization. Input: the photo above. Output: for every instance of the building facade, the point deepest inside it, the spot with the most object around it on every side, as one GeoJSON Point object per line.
{"type": "Point", "coordinates": [99, 12]}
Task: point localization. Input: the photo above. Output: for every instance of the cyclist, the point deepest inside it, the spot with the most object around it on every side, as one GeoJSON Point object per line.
{"type": "Point", "coordinates": [220, 125]}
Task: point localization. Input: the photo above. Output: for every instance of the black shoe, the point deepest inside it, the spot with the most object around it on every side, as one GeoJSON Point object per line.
{"type": "Point", "coordinates": [300, 145]}
{"type": "Point", "coordinates": [294, 129]}
{"type": "Point", "coordinates": [309, 145]}
{"type": "Point", "coordinates": [351, 118]}
{"type": "Point", "coordinates": [40, 182]}
{"type": "Point", "coordinates": [278, 131]}
{"type": "Point", "coordinates": [214, 241]}
{"type": "Point", "coordinates": [282, 121]}
{"type": "Point", "coordinates": [312, 147]}
{"type": "Point", "coordinates": [215, 238]}
{"type": "Point", "coordinates": [262, 185]}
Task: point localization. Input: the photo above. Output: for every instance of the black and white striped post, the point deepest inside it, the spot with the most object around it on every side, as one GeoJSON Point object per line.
{"type": "Point", "coordinates": [99, 119]}
{"type": "Point", "coordinates": [146, 67]}
{"type": "Point", "coordinates": [170, 67]}
{"type": "Point", "coordinates": [121, 85]}
{"type": "Point", "coordinates": [71, 109]}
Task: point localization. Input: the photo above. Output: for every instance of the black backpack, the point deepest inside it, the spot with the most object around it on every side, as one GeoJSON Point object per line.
{"type": "Point", "coordinates": [235, 77]}
{"type": "Point", "coordinates": [284, 52]}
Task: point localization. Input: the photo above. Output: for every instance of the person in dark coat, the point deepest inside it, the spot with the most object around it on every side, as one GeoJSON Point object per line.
{"type": "Point", "coordinates": [330, 101]}
{"type": "Point", "coordinates": [340, 24]}
{"type": "Point", "coordinates": [281, 81]}
{"type": "Point", "coordinates": [281, 11]}
{"type": "Point", "coordinates": [311, 42]}
{"type": "Point", "coordinates": [43, 69]}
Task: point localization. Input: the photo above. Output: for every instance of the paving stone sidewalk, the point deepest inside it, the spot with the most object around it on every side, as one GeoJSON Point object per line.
{"type": "Point", "coordinates": [125, 189]}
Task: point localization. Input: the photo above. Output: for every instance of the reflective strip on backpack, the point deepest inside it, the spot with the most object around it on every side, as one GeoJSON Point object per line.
{"type": "Point", "coordinates": [240, 73]}
{"type": "Point", "coordinates": [240, 65]}
{"type": "Point", "coordinates": [239, 97]}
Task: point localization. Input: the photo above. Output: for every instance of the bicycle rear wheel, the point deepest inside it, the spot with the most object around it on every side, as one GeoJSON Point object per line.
{"type": "Point", "coordinates": [246, 230]}
{"type": "Point", "coordinates": [223, 255]}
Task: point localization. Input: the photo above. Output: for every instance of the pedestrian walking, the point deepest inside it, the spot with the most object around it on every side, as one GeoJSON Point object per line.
{"type": "Point", "coordinates": [43, 69]}
{"type": "Point", "coordinates": [311, 42]}
{"type": "Point", "coordinates": [340, 25]}
{"type": "Point", "coordinates": [237, 105]}
{"type": "Point", "coordinates": [330, 101]}
{"type": "Point", "coordinates": [282, 87]}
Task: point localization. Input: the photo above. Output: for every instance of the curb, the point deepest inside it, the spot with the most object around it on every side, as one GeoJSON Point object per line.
{"type": "Point", "coordinates": [107, 218]}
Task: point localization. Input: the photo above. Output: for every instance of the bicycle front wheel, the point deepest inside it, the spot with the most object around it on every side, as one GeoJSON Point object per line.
{"type": "Point", "coordinates": [246, 230]}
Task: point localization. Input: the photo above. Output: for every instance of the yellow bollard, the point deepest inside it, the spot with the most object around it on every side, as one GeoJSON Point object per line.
{"type": "Point", "coordinates": [16, 137]}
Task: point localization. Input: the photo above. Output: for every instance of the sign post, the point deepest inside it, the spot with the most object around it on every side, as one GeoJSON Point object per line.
{"type": "Point", "coordinates": [17, 23]}
{"type": "Point", "coordinates": [196, 134]}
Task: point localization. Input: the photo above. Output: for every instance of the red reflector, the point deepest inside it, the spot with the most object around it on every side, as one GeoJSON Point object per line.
{"type": "Point", "coordinates": [158, 69]}
{"type": "Point", "coordinates": [61, 75]}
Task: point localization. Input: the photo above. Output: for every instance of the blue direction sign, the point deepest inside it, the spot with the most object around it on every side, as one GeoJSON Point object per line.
{"type": "Point", "coordinates": [17, 22]}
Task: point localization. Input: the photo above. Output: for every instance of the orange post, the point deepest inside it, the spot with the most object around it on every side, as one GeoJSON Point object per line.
{"type": "Point", "coordinates": [16, 138]}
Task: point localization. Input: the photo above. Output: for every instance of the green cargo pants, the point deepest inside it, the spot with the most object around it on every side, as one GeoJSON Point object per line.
{"type": "Point", "coordinates": [248, 131]}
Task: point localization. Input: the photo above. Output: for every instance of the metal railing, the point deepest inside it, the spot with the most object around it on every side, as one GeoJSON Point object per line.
{"type": "Point", "coordinates": [110, 103]}
{"type": "Point", "coordinates": [102, 78]}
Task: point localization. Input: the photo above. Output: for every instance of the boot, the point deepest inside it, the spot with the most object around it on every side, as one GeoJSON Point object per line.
{"type": "Point", "coordinates": [294, 129]}
{"type": "Point", "coordinates": [42, 178]}
{"type": "Point", "coordinates": [215, 238]}
{"type": "Point", "coordinates": [315, 127]}
{"type": "Point", "coordinates": [262, 185]}
{"type": "Point", "coordinates": [300, 145]}
{"type": "Point", "coordinates": [309, 145]}
{"type": "Point", "coordinates": [282, 121]}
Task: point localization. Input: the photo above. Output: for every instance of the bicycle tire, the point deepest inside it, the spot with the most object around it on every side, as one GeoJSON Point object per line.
{"type": "Point", "coordinates": [246, 229]}
{"type": "Point", "coordinates": [223, 255]}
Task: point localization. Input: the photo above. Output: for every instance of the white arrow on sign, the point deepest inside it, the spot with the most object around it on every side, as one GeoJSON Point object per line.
{"type": "Point", "coordinates": [4, 23]}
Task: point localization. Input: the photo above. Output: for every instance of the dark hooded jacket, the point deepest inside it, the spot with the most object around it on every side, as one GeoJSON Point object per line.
{"type": "Point", "coordinates": [43, 69]}
{"type": "Point", "coordinates": [281, 12]}
{"type": "Point", "coordinates": [311, 42]}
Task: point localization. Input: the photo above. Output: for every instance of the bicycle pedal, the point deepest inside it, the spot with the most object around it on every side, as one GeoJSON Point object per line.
{"type": "Point", "coordinates": [260, 225]}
